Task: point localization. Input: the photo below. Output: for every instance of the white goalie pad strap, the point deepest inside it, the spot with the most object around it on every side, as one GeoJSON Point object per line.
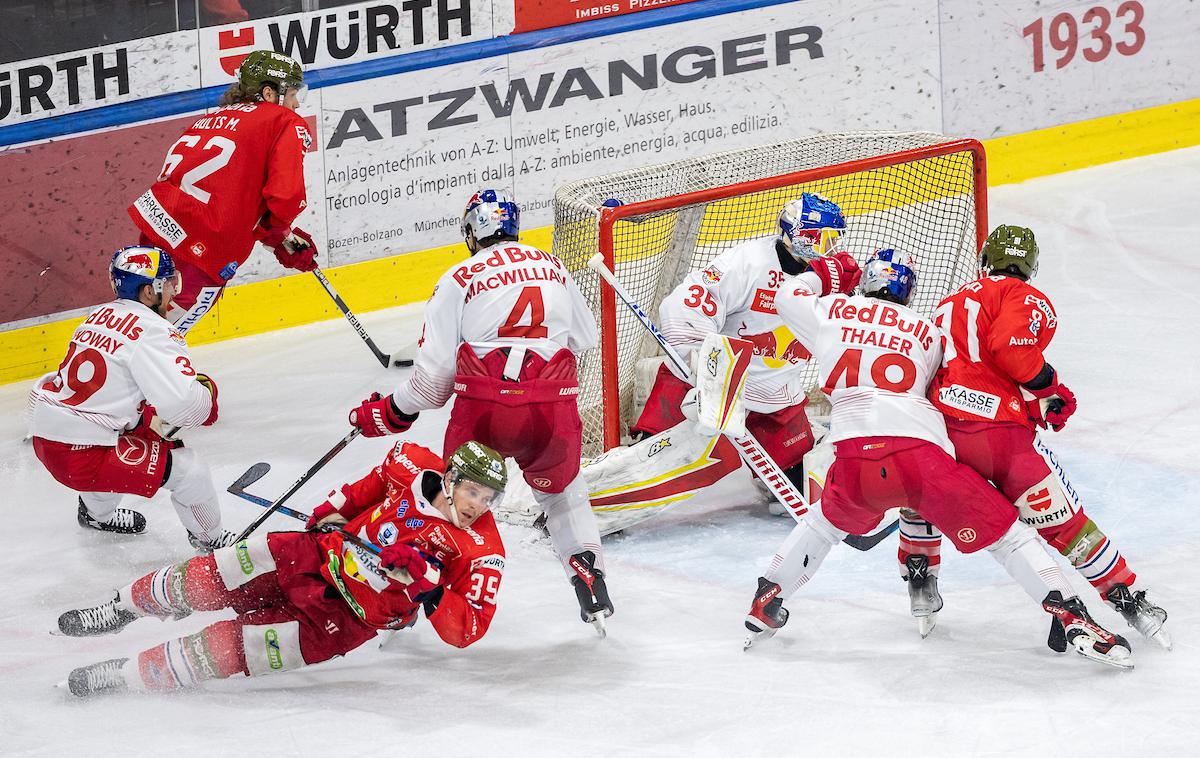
{"type": "Point", "coordinates": [243, 561]}
{"type": "Point", "coordinates": [722, 367]}
{"type": "Point", "coordinates": [272, 647]}
{"type": "Point", "coordinates": [1045, 504]}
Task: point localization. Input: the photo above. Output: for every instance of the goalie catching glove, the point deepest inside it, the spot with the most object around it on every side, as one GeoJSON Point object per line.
{"type": "Point", "coordinates": [378, 416]}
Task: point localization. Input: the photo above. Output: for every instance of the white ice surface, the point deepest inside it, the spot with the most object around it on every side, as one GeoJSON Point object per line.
{"type": "Point", "coordinates": [848, 676]}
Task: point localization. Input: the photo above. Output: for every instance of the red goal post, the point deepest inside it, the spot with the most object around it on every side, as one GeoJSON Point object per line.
{"type": "Point", "coordinates": [922, 192]}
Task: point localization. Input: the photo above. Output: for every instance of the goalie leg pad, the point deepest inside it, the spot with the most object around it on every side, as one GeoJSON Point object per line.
{"type": "Point", "coordinates": [631, 484]}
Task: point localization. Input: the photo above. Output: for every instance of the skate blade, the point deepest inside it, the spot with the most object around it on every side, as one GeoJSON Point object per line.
{"type": "Point", "coordinates": [925, 624]}
{"type": "Point", "coordinates": [1162, 639]}
{"type": "Point", "coordinates": [1113, 658]}
{"type": "Point", "coordinates": [754, 638]}
{"type": "Point", "coordinates": [597, 620]}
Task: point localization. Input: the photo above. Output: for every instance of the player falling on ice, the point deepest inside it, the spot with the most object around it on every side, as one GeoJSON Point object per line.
{"type": "Point", "coordinates": [92, 421]}
{"type": "Point", "coordinates": [306, 597]}
{"type": "Point", "coordinates": [734, 296]}
{"type": "Point", "coordinates": [501, 334]}
{"type": "Point", "coordinates": [876, 358]}
{"type": "Point", "coordinates": [996, 389]}
{"type": "Point", "coordinates": [235, 176]}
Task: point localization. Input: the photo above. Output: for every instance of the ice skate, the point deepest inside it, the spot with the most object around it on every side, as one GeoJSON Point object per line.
{"type": "Point", "coordinates": [923, 597]}
{"type": "Point", "coordinates": [122, 521]}
{"type": "Point", "coordinates": [1142, 615]}
{"type": "Point", "coordinates": [98, 678]}
{"type": "Point", "coordinates": [590, 590]}
{"type": "Point", "coordinates": [1073, 626]}
{"type": "Point", "coordinates": [203, 546]}
{"type": "Point", "coordinates": [108, 618]}
{"type": "Point", "coordinates": [767, 614]}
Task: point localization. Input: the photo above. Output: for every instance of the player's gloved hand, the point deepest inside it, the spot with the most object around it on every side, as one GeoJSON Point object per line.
{"type": "Point", "coordinates": [404, 564]}
{"type": "Point", "coordinates": [838, 273]}
{"type": "Point", "coordinates": [211, 386]}
{"type": "Point", "coordinates": [1051, 405]}
{"type": "Point", "coordinates": [378, 415]}
{"type": "Point", "coordinates": [325, 514]}
{"type": "Point", "coordinates": [297, 251]}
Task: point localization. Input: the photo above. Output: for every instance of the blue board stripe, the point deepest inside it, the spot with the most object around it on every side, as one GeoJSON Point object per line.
{"type": "Point", "coordinates": [193, 101]}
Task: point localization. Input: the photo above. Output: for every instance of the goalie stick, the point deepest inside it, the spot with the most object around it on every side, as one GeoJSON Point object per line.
{"type": "Point", "coordinates": [278, 504]}
{"type": "Point", "coordinates": [749, 448]}
{"type": "Point", "coordinates": [380, 356]}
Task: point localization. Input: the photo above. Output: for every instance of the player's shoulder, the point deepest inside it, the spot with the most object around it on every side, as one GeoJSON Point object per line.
{"type": "Point", "coordinates": [483, 540]}
{"type": "Point", "coordinates": [415, 458]}
{"type": "Point", "coordinates": [751, 255]}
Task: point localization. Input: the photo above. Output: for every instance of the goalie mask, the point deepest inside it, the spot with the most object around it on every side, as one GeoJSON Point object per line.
{"type": "Point", "coordinates": [490, 214]}
{"type": "Point", "coordinates": [890, 275]}
{"type": "Point", "coordinates": [474, 482]}
{"type": "Point", "coordinates": [811, 226]}
{"type": "Point", "coordinates": [1010, 249]}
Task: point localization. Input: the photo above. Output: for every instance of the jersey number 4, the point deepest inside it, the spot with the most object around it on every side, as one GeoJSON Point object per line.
{"type": "Point", "coordinates": [224, 147]}
{"type": "Point", "coordinates": [530, 300]}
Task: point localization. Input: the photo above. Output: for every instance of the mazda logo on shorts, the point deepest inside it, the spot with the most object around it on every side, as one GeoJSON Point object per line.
{"type": "Point", "coordinates": [132, 450]}
{"type": "Point", "coordinates": [966, 535]}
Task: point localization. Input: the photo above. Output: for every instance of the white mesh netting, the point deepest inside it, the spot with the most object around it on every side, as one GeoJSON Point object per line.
{"type": "Point", "coordinates": [923, 202]}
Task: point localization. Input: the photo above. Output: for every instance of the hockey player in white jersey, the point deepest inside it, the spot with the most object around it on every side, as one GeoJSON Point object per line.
{"type": "Point", "coordinates": [733, 296]}
{"type": "Point", "coordinates": [92, 419]}
{"type": "Point", "coordinates": [501, 333]}
{"type": "Point", "coordinates": [876, 358]}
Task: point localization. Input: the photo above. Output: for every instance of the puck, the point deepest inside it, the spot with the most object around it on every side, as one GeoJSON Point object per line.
{"type": "Point", "coordinates": [402, 362]}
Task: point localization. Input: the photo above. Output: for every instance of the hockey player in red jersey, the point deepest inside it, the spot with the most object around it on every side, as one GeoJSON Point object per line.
{"type": "Point", "coordinates": [996, 389]}
{"type": "Point", "coordinates": [413, 533]}
{"type": "Point", "coordinates": [235, 176]}
{"type": "Point", "coordinates": [91, 420]}
{"type": "Point", "coordinates": [876, 358]}
{"type": "Point", "coordinates": [501, 334]}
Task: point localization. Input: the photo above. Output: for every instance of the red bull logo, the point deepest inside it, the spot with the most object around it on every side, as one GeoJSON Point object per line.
{"type": "Point", "coordinates": [140, 260]}
{"type": "Point", "coordinates": [766, 345]}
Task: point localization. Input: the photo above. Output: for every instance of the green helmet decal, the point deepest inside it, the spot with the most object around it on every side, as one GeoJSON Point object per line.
{"type": "Point", "coordinates": [1010, 246]}
{"type": "Point", "coordinates": [480, 463]}
{"type": "Point", "coordinates": [263, 67]}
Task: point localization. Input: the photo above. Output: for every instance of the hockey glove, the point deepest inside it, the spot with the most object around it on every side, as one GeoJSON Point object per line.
{"type": "Point", "coordinates": [297, 251]}
{"type": "Point", "coordinates": [325, 514]}
{"type": "Point", "coordinates": [1047, 402]}
{"type": "Point", "coordinates": [406, 565]}
{"type": "Point", "coordinates": [378, 415]}
{"type": "Point", "coordinates": [207, 382]}
{"type": "Point", "coordinates": [838, 273]}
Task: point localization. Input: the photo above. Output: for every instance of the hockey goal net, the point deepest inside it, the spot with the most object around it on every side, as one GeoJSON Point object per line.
{"type": "Point", "coordinates": [919, 191]}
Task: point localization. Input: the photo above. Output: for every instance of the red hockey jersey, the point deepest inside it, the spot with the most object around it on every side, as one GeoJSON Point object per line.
{"type": "Point", "coordinates": [387, 507]}
{"type": "Point", "coordinates": [993, 330]}
{"type": "Point", "coordinates": [227, 171]}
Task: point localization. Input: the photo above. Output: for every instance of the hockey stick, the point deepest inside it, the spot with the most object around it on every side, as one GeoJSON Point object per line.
{"type": "Point", "coordinates": [749, 448]}
{"type": "Point", "coordinates": [380, 356]}
{"type": "Point", "coordinates": [370, 547]}
{"type": "Point", "coordinates": [299, 482]}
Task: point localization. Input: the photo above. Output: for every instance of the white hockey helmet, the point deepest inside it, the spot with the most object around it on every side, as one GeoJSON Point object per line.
{"type": "Point", "coordinates": [490, 213]}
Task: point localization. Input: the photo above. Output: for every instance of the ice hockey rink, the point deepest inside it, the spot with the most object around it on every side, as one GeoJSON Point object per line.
{"type": "Point", "coordinates": [849, 675]}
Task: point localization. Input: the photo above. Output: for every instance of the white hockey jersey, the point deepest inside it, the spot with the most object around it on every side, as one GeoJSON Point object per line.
{"type": "Point", "coordinates": [875, 360]}
{"type": "Point", "coordinates": [505, 295]}
{"type": "Point", "coordinates": [123, 353]}
{"type": "Point", "coordinates": [735, 296]}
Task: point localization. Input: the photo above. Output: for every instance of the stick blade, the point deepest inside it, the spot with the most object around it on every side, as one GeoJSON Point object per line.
{"type": "Point", "coordinates": [252, 475]}
{"type": "Point", "coordinates": [867, 541]}
{"type": "Point", "coordinates": [596, 262]}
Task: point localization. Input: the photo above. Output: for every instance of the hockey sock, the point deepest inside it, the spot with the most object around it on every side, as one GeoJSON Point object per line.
{"type": "Point", "coordinates": [1028, 562]}
{"type": "Point", "coordinates": [177, 590]}
{"type": "Point", "coordinates": [101, 505]}
{"type": "Point", "coordinates": [571, 523]}
{"type": "Point", "coordinates": [193, 494]}
{"type": "Point", "coordinates": [215, 652]}
{"type": "Point", "coordinates": [918, 537]}
{"type": "Point", "coordinates": [1090, 551]}
{"type": "Point", "coordinates": [802, 552]}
